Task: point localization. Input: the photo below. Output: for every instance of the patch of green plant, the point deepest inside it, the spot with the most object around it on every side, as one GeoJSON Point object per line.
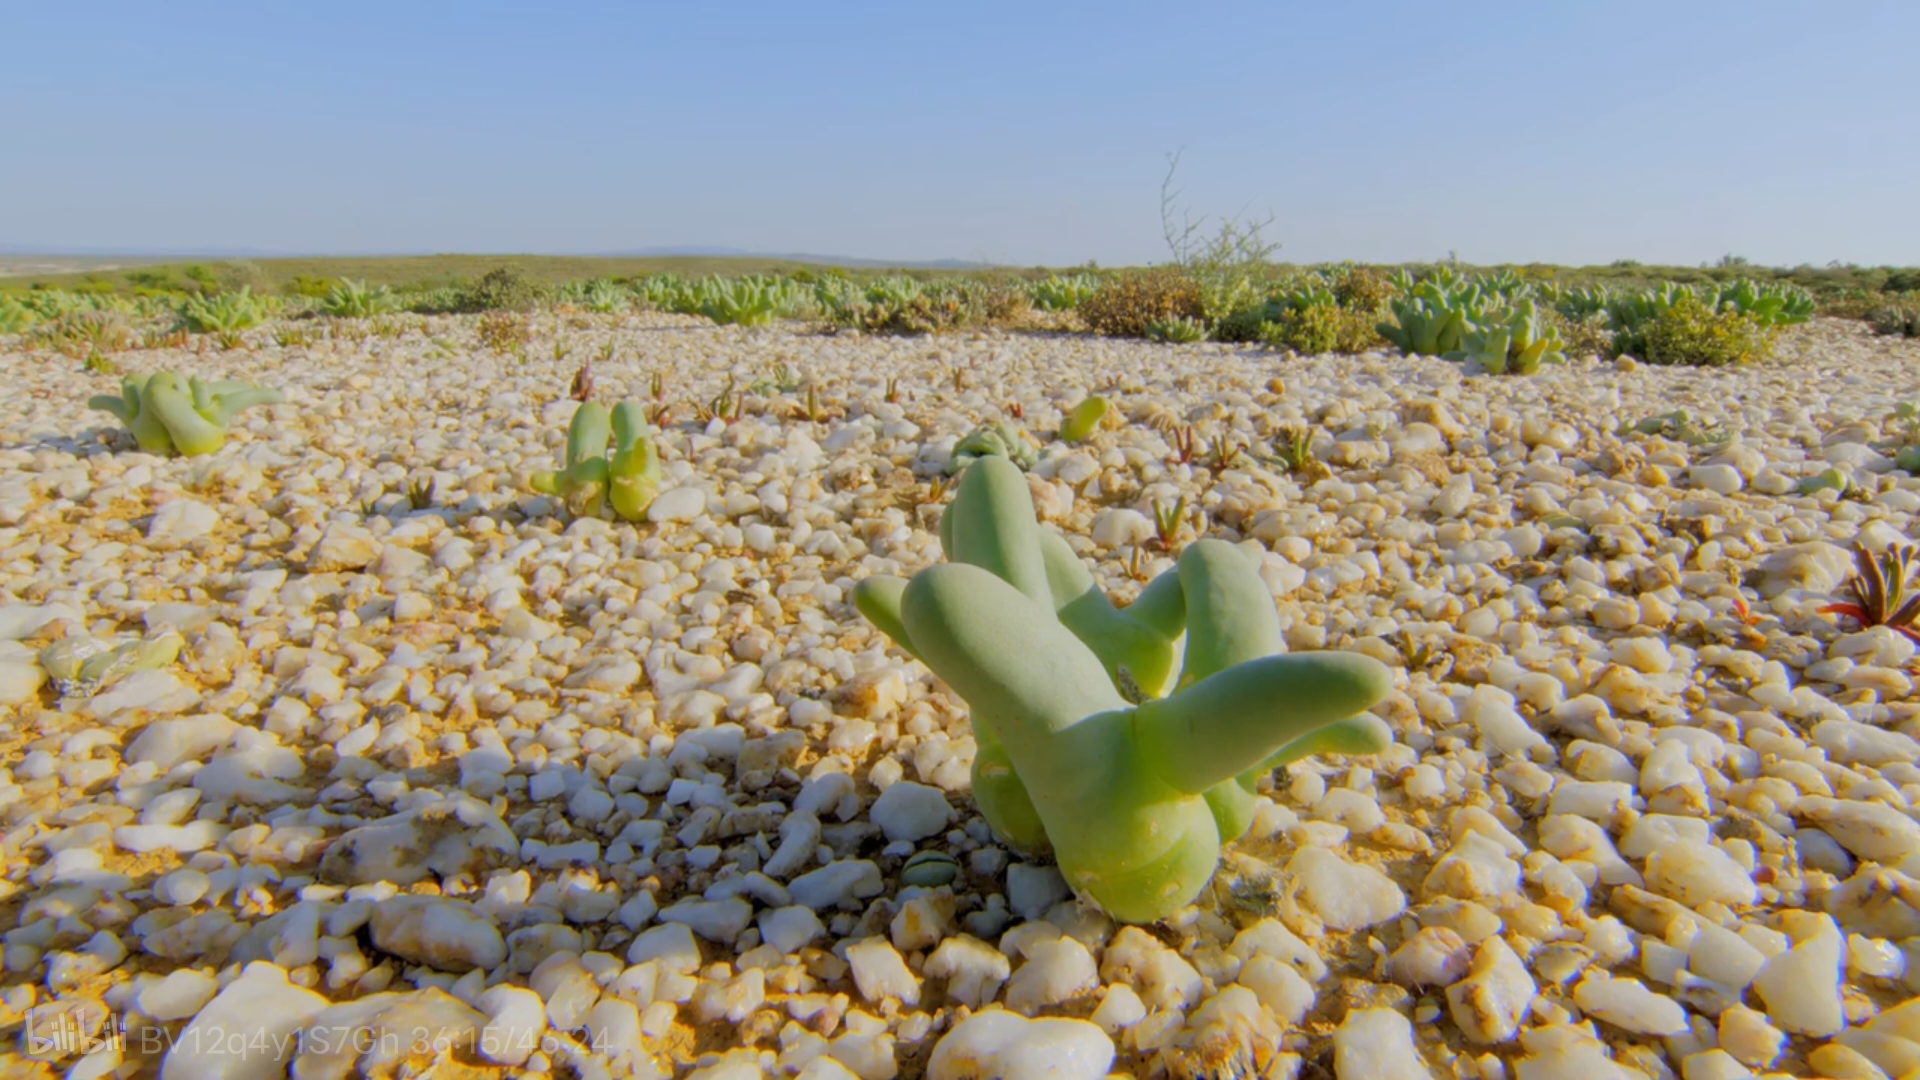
{"type": "Point", "coordinates": [1125, 306]}
{"type": "Point", "coordinates": [505, 331]}
{"type": "Point", "coordinates": [1680, 426]}
{"type": "Point", "coordinates": [83, 333]}
{"type": "Point", "coordinates": [1058, 293]}
{"type": "Point", "coordinates": [1432, 321]}
{"type": "Point", "coordinates": [1100, 742]}
{"type": "Point", "coordinates": [171, 415]}
{"type": "Point", "coordinates": [1691, 334]}
{"type": "Point", "coordinates": [1177, 331]}
{"type": "Point", "coordinates": [626, 480]}
{"type": "Point", "coordinates": [996, 439]}
{"type": "Point", "coordinates": [222, 313]}
{"type": "Point", "coordinates": [505, 288]}
{"type": "Point", "coordinates": [1516, 340]}
{"type": "Point", "coordinates": [16, 317]}
{"type": "Point", "coordinates": [356, 300]}
{"type": "Point", "coordinates": [1770, 305]}
{"type": "Point", "coordinates": [903, 305]}
{"type": "Point", "coordinates": [1900, 319]}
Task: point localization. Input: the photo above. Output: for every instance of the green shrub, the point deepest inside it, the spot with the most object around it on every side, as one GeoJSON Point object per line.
{"type": "Point", "coordinates": [1361, 289]}
{"type": "Point", "coordinates": [15, 317]}
{"type": "Point", "coordinates": [902, 305]}
{"type": "Point", "coordinates": [505, 288]}
{"type": "Point", "coordinates": [1689, 333]}
{"type": "Point", "coordinates": [1898, 319]}
{"type": "Point", "coordinates": [1126, 306]}
{"type": "Point", "coordinates": [1313, 329]}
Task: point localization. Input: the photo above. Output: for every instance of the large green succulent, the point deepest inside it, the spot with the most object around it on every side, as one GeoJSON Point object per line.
{"type": "Point", "coordinates": [1515, 340]}
{"type": "Point", "coordinates": [168, 414]}
{"type": "Point", "coordinates": [1098, 738]}
{"type": "Point", "coordinates": [628, 479]}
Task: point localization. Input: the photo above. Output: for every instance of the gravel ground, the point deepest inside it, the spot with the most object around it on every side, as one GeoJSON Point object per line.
{"type": "Point", "coordinates": [595, 799]}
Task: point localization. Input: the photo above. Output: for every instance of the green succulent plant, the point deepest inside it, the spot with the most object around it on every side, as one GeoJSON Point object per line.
{"type": "Point", "coordinates": [1092, 742]}
{"type": "Point", "coordinates": [1433, 319]}
{"type": "Point", "coordinates": [168, 414]}
{"type": "Point", "coordinates": [1058, 293]}
{"type": "Point", "coordinates": [1516, 340]}
{"type": "Point", "coordinates": [1178, 330]}
{"type": "Point", "coordinates": [222, 313]}
{"type": "Point", "coordinates": [628, 479]}
{"type": "Point", "coordinates": [357, 300]}
{"type": "Point", "coordinates": [997, 439]}
{"type": "Point", "coordinates": [1084, 420]}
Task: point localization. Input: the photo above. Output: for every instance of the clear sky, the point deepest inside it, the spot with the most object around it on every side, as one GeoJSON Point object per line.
{"type": "Point", "coordinates": [1021, 133]}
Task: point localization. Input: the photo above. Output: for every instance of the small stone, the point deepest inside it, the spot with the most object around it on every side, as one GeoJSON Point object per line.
{"type": "Point", "coordinates": [342, 547]}
{"type": "Point", "coordinates": [677, 504]}
{"type": "Point", "coordinates": [181, 522]}
{"type": "Point", "coordinates": [999, 1045]}
{"type": "Point", "coordinates": [909, 811]}
{"type": "Point", "coordinates": [1497, 992]}
{"type": "Point", "coordinates": [1032, 890]}
{"type": "Point", "coordinates": [1801, 987]}
{"type": "Point", "coordinates": [1346, 896]}
{"type": "Point", "coordinates": [1373, 1044]}
{"type": "Point", "coordinates": [1629, 1005]}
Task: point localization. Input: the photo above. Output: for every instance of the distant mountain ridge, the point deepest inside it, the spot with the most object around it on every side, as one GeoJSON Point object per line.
{"type": "Point", "coordinates": [44, 250]}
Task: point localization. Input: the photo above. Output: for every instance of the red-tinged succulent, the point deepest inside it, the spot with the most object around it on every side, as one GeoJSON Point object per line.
{"type": "Point", "coordinates": [1879, 591]}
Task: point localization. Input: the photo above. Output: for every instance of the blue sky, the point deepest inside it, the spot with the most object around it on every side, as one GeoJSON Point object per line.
{"type": "Point", "coordinates": [1020, 133]}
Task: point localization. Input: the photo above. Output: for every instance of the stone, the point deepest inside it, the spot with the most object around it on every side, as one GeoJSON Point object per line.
{"type": "Point", "coordinates": [439, 932]}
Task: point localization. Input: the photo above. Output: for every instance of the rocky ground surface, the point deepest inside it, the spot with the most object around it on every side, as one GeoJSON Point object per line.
{"type": "Point", "coordinates": [446, 783]}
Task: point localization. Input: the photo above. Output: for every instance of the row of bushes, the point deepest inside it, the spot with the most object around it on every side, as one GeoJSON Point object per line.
{"type": "Point", "coordinates": [1506, 320]}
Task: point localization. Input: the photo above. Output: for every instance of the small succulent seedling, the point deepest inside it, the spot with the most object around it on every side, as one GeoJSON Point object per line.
{"type": "Point", "coordinates": [998, 439]}
{"type": "Point", "coordinates": [657, 386]}
{"type": "Point", "coordinates": [1224, 453]}
{"type": "Point", "coordinates": [1186, 445]}
{"type": "Point", "coordinates": [1084, 420]}
{"type": "Point", "coordinates": [582, 388]}
{"type": "Point", "coordinates": [892, 396]}
{"type": "Point", "coordinates": [1016, 410]}
{"type": "Point", "coordinates": [1878, 591]}
{"type": "Point", "coordinates": [168, 414]}
{"type": "Point", "coordinates": [420, 492]}
{"type": "Point", "coordinates": [627, 480]}
{"type": "Point", "coordinates": [1133, 800]}
{"type": "Point", "coordinates": [1167, 521]}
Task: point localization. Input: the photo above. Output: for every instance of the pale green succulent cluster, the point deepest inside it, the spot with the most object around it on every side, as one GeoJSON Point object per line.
{"type": "Point", "coordinates": [168, 414]}
{"type": "Point", "coordinates": [1515, 340]}
{"type": "Point", "coordinates": [997, 439]}
{"type": "Point", "coordinates": [1099, 738]}
{"type": "Point", "coordinates": [627, 479]}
